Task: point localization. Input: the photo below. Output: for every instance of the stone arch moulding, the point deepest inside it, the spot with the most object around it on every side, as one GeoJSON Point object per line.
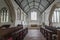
{"type": "Point", "coordinates": [11, 10]}
{"type": "Point", "coordinates": [56, 5]}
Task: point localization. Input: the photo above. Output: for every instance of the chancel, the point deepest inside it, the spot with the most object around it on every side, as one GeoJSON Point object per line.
{"type": "Point", "coordinates": [29, 19]}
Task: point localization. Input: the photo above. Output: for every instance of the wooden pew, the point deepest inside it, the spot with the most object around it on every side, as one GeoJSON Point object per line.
{"type": "Point", "coordinates": [48, 32]}
{"type": "Point", "coordinates": [15, 33]}
{"type": "Point", "coordinates": [58, 34]}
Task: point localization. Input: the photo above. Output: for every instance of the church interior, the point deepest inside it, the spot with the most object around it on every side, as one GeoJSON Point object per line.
{"type": "Point", "coordinates": [29, 19]}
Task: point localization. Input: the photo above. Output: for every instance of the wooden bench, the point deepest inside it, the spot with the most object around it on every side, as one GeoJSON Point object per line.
{"type": "Point", "coordinates": [48, 33]}
{"type": "Point", "coordinates": [15, 33]}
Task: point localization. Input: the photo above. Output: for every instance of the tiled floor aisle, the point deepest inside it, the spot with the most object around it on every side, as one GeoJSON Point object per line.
{"type": "Point", "coordinates": [34, 34]}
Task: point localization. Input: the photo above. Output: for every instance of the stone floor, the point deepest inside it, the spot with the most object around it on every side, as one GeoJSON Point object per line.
{"type": "Point", "coordinates": [34, 34]}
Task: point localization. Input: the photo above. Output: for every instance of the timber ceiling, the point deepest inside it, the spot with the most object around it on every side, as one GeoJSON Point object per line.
{"type": "Point", "coordinates": [40, 5]}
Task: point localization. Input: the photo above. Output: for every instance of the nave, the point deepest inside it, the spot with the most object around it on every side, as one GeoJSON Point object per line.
{"type": "Point", "coordinates": [29, 19]}
{"type": "Point", "coordinates": [34, 34]}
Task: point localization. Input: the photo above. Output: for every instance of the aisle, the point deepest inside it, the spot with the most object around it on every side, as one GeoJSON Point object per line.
{"type": "Point", "coordinates": [34, 34]}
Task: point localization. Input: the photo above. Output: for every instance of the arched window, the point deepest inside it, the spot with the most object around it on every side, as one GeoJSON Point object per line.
{"type": "Point", "coordinates": [33, 15]}
{"type": "Point", "coordinates": [4, 15]}
{"type": "Point", "coordinates": [55, 16]}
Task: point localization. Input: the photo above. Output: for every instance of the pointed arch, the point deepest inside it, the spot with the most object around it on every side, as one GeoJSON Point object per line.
{"type": "Point", "coordinates": [51, 12]}
{"type": "Point", "coordinates": [11, 10]}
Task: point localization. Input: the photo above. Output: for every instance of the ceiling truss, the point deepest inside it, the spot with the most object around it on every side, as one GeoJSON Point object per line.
{"type": "Point", "coordinates": [35, 4]}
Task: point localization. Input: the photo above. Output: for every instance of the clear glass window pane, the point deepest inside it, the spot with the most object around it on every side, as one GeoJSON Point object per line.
{"type": "Point", "coordinates": [54, 16]}
{"type": "Point", "coordinates": [4, 16]}
{"type": "Point", "coordinates": [57, 16]}
{"type": "Point", "coordinates": [33, 15]}
{"type": "Point", "coordinates": [7, 17]}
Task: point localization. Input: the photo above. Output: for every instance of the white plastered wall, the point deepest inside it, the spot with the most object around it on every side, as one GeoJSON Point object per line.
{"type": "Point", "coordinates": [38, 21]}
{"type": "Point", "coordinates": [46, 15]}
{"type": "Point", "coordinates": [2, 5]}
{"type": "Point", "coordinates": [19, 14]}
